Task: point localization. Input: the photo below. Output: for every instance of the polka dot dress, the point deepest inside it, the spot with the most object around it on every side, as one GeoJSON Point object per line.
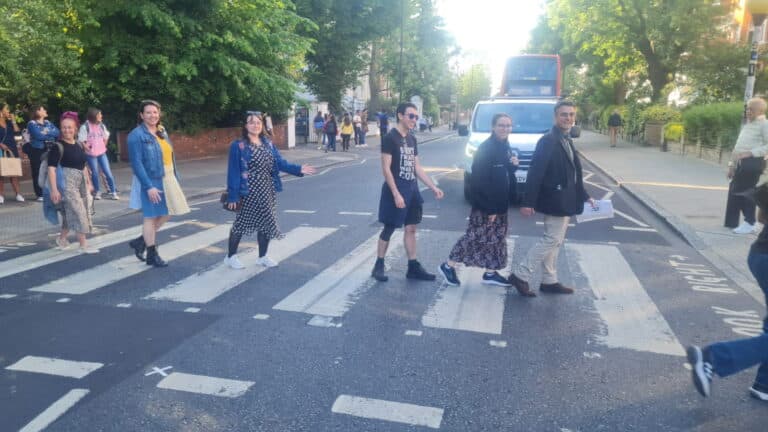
{"type": "Point", "coordinates": [259, 211]}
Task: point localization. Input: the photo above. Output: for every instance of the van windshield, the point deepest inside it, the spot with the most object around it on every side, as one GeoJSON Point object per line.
{"type": "Point", "coordinates": [526, 117]}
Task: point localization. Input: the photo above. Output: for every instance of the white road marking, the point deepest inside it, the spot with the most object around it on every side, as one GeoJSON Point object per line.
{"type": "Point", "coordinates": [497, 343]}
{"type": "Point", "coordinates": [64, 300]}
{"type": "Point", "coordinates": [413, 332]}
{"type": "Point", "coordinates": [429, 216]}
{"type": "Point", "coordinates": [592, 355]}
{"type": "Point", "coordinates": [192, 310]}
{"type": "Point", "coordinates": [608, 195]}
{"type": "Point", "coordinates": [202, 384]}
{"type": "Point", "coordinates": [630, 218]}
{"type": "Point", "coordinates": [100, 276]}
{"type": "Point", "coordinates": [333, 291]}
{"type": "Point", "coordinates": [625, 228]}
{"type": "Point", "coordinates": [542, 223]}
{"type": "Point", "coordinates": [215, 281]}
{"type": "Point", "coordinates": [414, 415]}
{"type": "Point", "coordinates": [56, 410]}
{"type": "Point", "coordinates": [631, 318]}
{"type": "Point", "coordinates": [350, 213]}
{"type": "Point", "coordinates": [197, 203]}
{"type": "Point", "coordinates": [261, 316]}
{"type": "Point", "coordinates": [323, 321]}
{"type": "Point", "coordinates": [470, 306]}
{"type": "Point", "coordinates": [123, 305]}
{"type": "Point", "coordinates": [300, 211]}
{"type": "Point", "coordinates": [7, 296]}
{"type": "Point", "coordinates": [50, 256]}
{"type": "Point", "coordinates": [158, 371]}
{"type": "Point", "coordinates": [54, 366]}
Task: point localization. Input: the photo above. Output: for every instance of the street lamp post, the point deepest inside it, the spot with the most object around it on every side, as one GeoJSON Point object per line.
{"type": "Point", "coordinates": [758, 9]}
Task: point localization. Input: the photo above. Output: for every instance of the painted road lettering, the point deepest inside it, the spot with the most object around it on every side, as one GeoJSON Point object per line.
{"type": "Point", "coordinates": [699, 277]}
{"type": "Point", "coordinates": [745, 323]}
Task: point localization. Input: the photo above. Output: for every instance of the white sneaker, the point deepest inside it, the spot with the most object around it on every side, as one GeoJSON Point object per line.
{"type": "Point", "coordinates": [63, 244]}
{"type": "Point", "coordinates": [266, 261]}
{"type": "Point", "coordinates": [115, 196]}
{"type": "Point", "coordinates": [87, 250]}
{"type": "Point", "coordinates": [2, 199]}
{"type": "Point", "coordinates": [234, 262]}
{"type": "Point", "coordinates": [744, 228]}
{"type": "Point", "coordinates": [19, 198]}
{"type": "Point", "coordinates": [97, 196]}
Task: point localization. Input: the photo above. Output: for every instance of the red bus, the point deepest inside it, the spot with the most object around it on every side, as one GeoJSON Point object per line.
{"type": "Point", "coordinates": [531, 75]}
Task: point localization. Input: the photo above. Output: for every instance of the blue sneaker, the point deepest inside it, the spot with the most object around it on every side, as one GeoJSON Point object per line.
{"type": "Point", "coordinates": [449, 274]}
{"type": "Point", "coordinates": [494, 278]}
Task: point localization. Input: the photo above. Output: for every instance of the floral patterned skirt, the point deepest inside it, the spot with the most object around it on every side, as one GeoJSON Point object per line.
{"type": "Point", "coordinates": [484, 244]}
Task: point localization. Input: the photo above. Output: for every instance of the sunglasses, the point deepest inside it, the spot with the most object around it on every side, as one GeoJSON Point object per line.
{"type": "Point", "coordinates": [253, 113]}
{"type": "Point", "coordinates": [413, 116]}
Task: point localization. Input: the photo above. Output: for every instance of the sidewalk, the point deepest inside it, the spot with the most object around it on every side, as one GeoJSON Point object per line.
{"type": "Point", "coordinates": [199, 177]}
{"type": "Point", "coordinates": [688, 193]}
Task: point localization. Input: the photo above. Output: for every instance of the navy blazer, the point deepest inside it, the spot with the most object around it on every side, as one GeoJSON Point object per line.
{"type": "Point", "coordinates": [555, 185]}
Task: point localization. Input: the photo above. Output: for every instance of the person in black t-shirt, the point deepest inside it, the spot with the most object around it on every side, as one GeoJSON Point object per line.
{"type": "Point", "coordinates": [728, 358]}
{"type": "Point", "coordinates": [614, 124]}
{"type": "Point", "coordinates": [401, 203]}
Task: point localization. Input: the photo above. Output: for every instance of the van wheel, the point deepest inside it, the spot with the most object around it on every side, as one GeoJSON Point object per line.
{"type": "Point", "coordinates": [467, 188]}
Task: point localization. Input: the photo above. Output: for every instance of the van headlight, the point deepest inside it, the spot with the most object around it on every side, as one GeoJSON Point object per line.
{"type": "Point", "coordinates": [470, 150]}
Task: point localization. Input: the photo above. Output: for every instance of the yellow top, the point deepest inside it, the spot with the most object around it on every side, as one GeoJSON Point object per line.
{"type": "Point", "coordinates": [347, 129]}
{"type": "Point", "coordinates": [167, 152]}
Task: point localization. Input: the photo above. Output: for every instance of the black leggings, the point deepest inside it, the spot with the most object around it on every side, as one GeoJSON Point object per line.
{"type": "Point", "coordinates": [34, 162]}
{"type": "Point", "coordinates": [386, 233]}
{"type": "Point", "coordinates": [234, 242]}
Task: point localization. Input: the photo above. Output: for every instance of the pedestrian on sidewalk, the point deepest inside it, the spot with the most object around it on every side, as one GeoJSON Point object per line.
{"type": "Point", "coordinates": [331, 130]}
{"type": "Point", "coordinates": [364, 127]}
{"type": "Point", "coordinates": [383, 118]}
{"type": "Point", "coordinates": [253, 181]}
{"type": "Point", "coordinates": [401, 202]}
{"type": "Point", "coordinates": [357, 122]}
{"type": "Point", "coordinates": [728, 358]}
{"type": "Point", "coordinates": [40, 130]}
{"type": "Point", "coordinates": [347, 129]}
{"type": "Point", "coordinates": [94, 136]}
{"type": "Point", "coordinates": [744, 169]}
{"type": "Point", "coordinates": [8, 131]}
{"type": "Point", "coordinates": [493, 184]}
{"type": "Point", "coordinates": [70, 156]}
{"type": "Point", "coordinates": [155, 188]}
{"type": "Point", "coordinates": [614, 125]}
{"type": "Point", "coordinates": [318, 122]}
{"type": "Point", "coordinates": [555, 188]}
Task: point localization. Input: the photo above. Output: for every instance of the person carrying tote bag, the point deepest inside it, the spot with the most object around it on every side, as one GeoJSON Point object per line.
{"type": "Point", "coordinates": [10, 164]}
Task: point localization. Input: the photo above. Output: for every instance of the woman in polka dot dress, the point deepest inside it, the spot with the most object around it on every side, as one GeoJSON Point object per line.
{"type": "Point", "coordinates": [253, 181]}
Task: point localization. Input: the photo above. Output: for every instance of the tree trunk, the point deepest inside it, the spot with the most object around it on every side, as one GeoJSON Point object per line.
{"type": "Point", "coordinates": [658, 74]}
{"type": "Point", "coordinates": [374, 76]}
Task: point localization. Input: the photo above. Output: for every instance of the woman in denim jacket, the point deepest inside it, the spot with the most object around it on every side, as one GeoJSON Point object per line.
{"type": "Point", "coordinates": [40, 130]}
{"type": "Point", "coordinates": [253, 181]}
{"type": "Point", "coordinates": [155, 182]}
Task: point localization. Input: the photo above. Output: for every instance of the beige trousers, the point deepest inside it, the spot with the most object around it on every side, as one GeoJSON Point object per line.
{"type": "Point", "coordinates": [545, 251]}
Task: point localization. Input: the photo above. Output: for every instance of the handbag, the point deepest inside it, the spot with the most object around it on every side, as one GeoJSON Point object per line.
{"type": "Point", "coordinates": [10, 166]}
{"type": "Point", "coordinates": [225, 203]}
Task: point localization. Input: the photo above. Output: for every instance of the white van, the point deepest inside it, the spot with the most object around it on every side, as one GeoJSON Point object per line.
{"type": "Point", "coordinates": [531, 118]}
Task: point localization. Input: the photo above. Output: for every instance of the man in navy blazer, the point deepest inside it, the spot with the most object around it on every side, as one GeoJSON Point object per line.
{"type": "Point", "coordinates": [555, 188]}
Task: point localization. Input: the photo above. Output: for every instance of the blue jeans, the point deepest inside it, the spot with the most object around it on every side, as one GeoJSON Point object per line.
{"type": "Point", "coordinates": [94, 162]}
{"type": "Point", "coordinates": [331, 142]}
{"type": "Point", "coordinates": [727, 358]}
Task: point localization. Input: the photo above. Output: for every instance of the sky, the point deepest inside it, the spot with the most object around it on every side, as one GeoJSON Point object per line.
{"type": "Point", "coordinates": [489, 31]}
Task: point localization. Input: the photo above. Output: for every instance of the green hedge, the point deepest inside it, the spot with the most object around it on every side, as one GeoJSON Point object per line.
{"type": "Point", "coordinates": [713, 124]}
{"type": "Point", "coordinates": [661, 114]}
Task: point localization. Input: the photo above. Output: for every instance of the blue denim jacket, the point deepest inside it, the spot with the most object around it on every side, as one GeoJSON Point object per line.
{"type": "Point", "coordinates": [146, 156]}
{"type": "Point", "coordinates": [40, 133]}
{"type": "Point", "coordinates": [237, 168]}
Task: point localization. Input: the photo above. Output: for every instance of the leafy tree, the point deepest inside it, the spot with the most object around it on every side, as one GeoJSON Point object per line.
{"type": "Point", "coordinates": [474, 85]}
{"type": "Point", "coordinates": [717, 73]}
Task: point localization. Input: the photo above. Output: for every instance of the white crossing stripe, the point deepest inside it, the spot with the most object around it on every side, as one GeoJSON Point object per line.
{"type": "Point", "coordinates": [630, 218]}
{"type": "Point", "coordinates": [471, 306]}
{"type": "Point", "coordinates": [7, 296]}
{"type": "Point", "coordinates": [207, 285]}
{"type": "Point", "coordinates": [350, 213]}
{"type": "Point", "coordinates": [54, 366]}
{"type": "Point", "coordinates": [50, 256]}
{"type": "Point", "coordinates": [625, 228]}
{"type": "Point", "coordinates": [97, 277]}
{"type": "Point", "coordinates": [631, 318]}
{"type": "Point", "coordinates": [300, 211]}
{"type": "Point", "coordinates": [335, 289]}
{"type": "Point", "coordinates": [414, 415]}
{"type": "Point", "coordinates": [202, 384]}
{"type": "Point", "coordinates": [56, 410]}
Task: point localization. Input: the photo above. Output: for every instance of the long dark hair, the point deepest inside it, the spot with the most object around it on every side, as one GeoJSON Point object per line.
{"type": "Point", "coordinates": [258, 115]}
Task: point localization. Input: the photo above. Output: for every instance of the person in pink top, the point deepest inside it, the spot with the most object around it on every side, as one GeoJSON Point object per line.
{"type": "Point", "coordinates": [94, 136]}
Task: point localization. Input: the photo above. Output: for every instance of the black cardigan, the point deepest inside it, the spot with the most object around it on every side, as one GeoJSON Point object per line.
{"type": "Point", "coordinates": [493, 183]}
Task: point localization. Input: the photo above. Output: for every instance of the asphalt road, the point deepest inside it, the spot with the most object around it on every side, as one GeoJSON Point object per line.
{"type": "Point", "coordinates": [101, 343]}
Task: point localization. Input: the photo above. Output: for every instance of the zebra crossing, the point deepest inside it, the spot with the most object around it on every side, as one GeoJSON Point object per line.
{"type": "Point", "coordinates": [327, 296]}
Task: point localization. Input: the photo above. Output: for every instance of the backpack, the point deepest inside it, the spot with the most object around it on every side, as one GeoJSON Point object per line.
{"type": "Point", "coordinates": [42, 177]}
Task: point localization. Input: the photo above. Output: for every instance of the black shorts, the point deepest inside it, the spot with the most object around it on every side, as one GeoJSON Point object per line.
{"type": "Point", "coordinates": [414, 214]}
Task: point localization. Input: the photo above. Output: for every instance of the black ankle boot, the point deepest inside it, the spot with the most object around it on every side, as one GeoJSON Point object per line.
{"type": "Point", "coordinates": [378, 271]}
{"type": "Point", "coordinates": [153, 258]}
{"type": "Point", "coordinates": [138, 247]}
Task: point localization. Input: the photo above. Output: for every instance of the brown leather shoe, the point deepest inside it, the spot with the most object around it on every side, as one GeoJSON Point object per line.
{"type": "Point", "coordinates": [555, 288]}
{"type": "Point", "coordinates": [521, 286]}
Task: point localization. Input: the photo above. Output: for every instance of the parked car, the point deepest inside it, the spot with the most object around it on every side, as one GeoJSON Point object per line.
{"type": "Point", "coordinates": [531, 118]}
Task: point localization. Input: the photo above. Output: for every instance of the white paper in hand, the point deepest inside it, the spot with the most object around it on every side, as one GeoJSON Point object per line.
{"type": "Point", "coordinates": [603, 210]}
